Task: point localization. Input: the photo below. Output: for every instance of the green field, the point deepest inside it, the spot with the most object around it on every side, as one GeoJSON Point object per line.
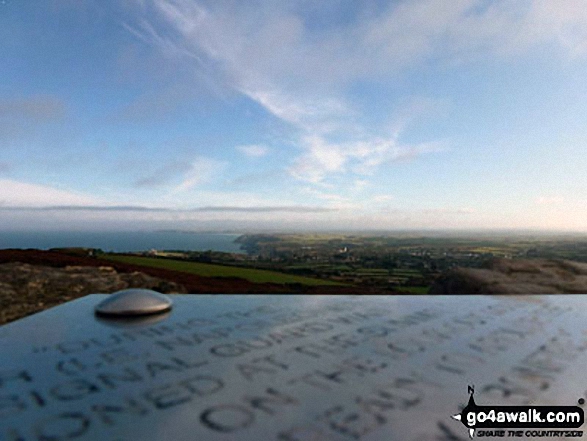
{"type": "Point", "coordinates": [415, 289]}
{"type": "Point", "coordinates": [211, 270]}
{"type": "Point", "coordinates": [405, 272]}
{"type": "Point", "coordinates": [371, 271]}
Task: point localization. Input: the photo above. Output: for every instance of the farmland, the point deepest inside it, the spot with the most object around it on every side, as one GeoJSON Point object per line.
{"type": "Point", "coordinates": [384, 263]}
{"type": "Point", "coordinates": [401, 262]}
{"type": "Point", "coordinates": [214, 270]}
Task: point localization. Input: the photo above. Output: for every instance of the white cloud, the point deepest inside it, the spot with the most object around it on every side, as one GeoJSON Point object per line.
{"type": "Point", "coordinates": [382, 199]}
{"type": "Point", "coordinates": [322, 159]}
{"type": "Point", "coordinates": [563, 22]}
{"type": "Point", "coordinates": [332, 199]}
{"type": "Point", "coordinates": [253, 150]}
{"type": "Point", "coordinates": [163, 175]}
{"type": "Point", "coordinates": [319, 160]}
{"type": "Point", "coordinates": [271, 46]}
{"type": "Point", "coordinates": [353, 199]}
{"type": "Point", "coordinates": [301, 75]}
{"type": "Point", "coordinates": [214, 198]}
{"type": "Point", "coordinates": [201, 171]}
{"type": "Point", "coordinates": [316, 115]}
{"type": "Point", "coordinates": [22, 194]}
{"type": "Point", "coordinates": [269, 54]}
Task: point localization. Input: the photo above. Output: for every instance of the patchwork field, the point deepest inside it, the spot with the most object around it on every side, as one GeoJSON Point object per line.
{"type": "Point", "coordinates": [211, 270]}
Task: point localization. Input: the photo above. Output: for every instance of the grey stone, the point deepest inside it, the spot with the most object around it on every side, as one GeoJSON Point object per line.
{"type": "Point", "coordinates": [288, 367]}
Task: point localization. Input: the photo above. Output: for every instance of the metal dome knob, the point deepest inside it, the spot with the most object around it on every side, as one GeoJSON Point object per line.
{"type": "Point", "coordinates": [133, 302]}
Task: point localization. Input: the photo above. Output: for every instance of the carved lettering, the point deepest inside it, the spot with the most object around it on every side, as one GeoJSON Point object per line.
{"type": "Point", "coordinates": [112, 379]}
{"type": "Point", "coordinates": [107, 412]}
{"type": "Point", "coordinates": [167, 396]}
{"type": "Point", "coordinates": [14, 375]}
{"type": "Point", "coordinates": [272, 400]}
{"type": "Point", "coordinates": [11, 404]}
{"type": "Point", "coordinates": [73, 390]}
{"type": "Point", "coordinates": [202, 385]}
{"type": "Point", "coordinates": [63, 426]}
{"type": "Point", "coordinates": [227, 418]}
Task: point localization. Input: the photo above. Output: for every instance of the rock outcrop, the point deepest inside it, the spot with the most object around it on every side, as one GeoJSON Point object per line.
{"type": "Point", "coordinates": [26, 289]}
{"type": "Point", "coordinates": [507, 276]}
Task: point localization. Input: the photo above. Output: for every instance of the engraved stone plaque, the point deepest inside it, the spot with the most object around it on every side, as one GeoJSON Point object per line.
{"type": "Point", "coordinates": [287, 367]}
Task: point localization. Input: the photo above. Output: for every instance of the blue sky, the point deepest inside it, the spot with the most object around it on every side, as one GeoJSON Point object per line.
{"type": "Point", "coordinates": [462, 114]}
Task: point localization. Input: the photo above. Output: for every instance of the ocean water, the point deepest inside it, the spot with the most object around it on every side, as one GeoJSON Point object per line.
{"type": "Point", "coordinates": [121, 241]}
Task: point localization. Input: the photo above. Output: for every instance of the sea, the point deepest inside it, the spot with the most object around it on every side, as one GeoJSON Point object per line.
{"type": "Point", "coordinates": [122, 241]}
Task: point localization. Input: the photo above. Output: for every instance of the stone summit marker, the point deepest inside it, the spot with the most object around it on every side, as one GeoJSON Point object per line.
{"type": "Point", "coordinates": [287, 367]}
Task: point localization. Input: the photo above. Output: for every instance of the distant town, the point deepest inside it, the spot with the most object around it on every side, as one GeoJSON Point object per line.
{"type": "Point", "coordinates": [400, 263]}
{"type": "Point", "coordinates": [306, 263]}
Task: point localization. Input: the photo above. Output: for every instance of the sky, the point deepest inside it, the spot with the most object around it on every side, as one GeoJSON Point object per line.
{"type": "Point", "coordinates": [371, 115]}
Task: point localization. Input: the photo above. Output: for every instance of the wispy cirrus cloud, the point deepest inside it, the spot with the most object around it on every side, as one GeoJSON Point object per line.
{"type": "Point", "coordinates": [253, 150]}
{"type": "Point", "coordinates": [23, 194]}
{"type": "Point", "coordinates": [270, 48]}
{"type": "Point", "coordinates": [302, 74]}
{"type": "Point", "coordinates": [163, 175]}
{"type": "Point", "coordinates": [200, 171]}
{"type": "Point", "coordinates": [322, 158]}
{"type": "Point", "coordinates": [271, 71]}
